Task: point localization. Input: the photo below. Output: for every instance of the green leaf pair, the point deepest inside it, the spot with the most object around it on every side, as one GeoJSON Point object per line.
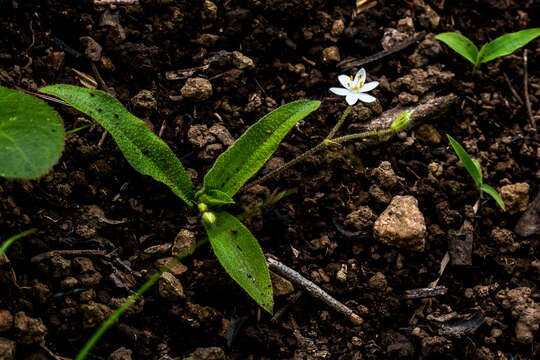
{"type": "Point", "coordinates": [234, 245]}
{"type": "Point", "coordinates": [473, 168]}
{"type": "Point", "coordinates": [501, 46]}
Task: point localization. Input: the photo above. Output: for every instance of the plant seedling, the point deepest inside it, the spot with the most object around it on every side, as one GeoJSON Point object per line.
{"type": "Point", "coordinates": [501, 46]}
{"type": "Point", "coordinates": [473, 168]}
{"type": "Point", "coordinates": [234, 245]}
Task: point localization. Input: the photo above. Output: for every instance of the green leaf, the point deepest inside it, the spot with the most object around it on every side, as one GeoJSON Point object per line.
{"type": "Point", "coordinates": [478, 169]}
{"type": "Point", "coordinates": [14, 238]}
{"type": "Point", "coordinates": [507, 44]}
{"type": "Point", "coordinates": [473, 169]}
{"type": "Point", "coordinates": [147, 153]}
{"type": "Point", "coordinates": [246, 156]}
{"type": "Point", "coordinates": [215, 197]}
{"type": "Point", "coordinates": [459, 44]}
{"type": "Point", "coordinates": [31, 135]}
{"type": "Point", "coordinates": [242, 257]}
{"type": "Point", "coordinates": [494, 194]}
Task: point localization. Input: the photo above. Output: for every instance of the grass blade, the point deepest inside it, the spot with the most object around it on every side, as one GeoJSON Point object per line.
{"type": "Point", "coordinates": [146, 152]}
{"type": "Point", "coordinates": [494, 194]}
{"type": "Point", "coordinates": [14, 238]}
{"type": "Point", "coordinates": [459, 44]}
{"type": "Point", "coordinates": [472, 168]}
{"type": "Point", "coordinates": [133, 299]}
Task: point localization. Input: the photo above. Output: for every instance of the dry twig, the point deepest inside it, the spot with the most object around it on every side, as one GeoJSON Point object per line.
{"type": "Point", "coordinates": [532, 120]}
{"type": "Point", "coordinates": [312, 289]}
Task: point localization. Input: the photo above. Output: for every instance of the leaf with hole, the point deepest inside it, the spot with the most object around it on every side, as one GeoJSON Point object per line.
{"type": "Point", "coordinates": [472, 168]}
{"type": "Point", "coordinates": [246, 156]}
{"type": "Point", "coordinates": [241, 256]}
{"type": "Point", "coordinates": [460, 44]}
{"type": "Point", "coordinates": [507, 44]}
{"type": "Point", "coordinates": [31, 135]}
{"type": "Point", "coordinates": [146, 152]}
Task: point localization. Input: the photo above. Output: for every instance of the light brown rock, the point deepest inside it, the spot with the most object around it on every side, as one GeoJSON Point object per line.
{"type": "Point", "coordinates": [184, 240]}
{"type": "Point", "coordinates": [197, 89]}
{"type": "Point", "coordinates": [6, 320]}
{"type": "Point", "coordinates": [515, 197]}
{"type": "Point", "coordinates": [29, 330]}
{"type": "Point", "coordinates": [330, 55]}
{"type": "Point", "coordinates": [401, 224]}
{"type": "Point", "coordinates": [7, 349]}
{"type": "Point", "coordinates": [281, 285]}
{"type": "Point", "coordinates": [525, 309]}
{"type": "Point", "coordinates": [241, 61]}
{"type": "Point", "coordinates": [170, 287]}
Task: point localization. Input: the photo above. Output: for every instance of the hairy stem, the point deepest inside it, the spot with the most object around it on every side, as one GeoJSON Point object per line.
{"type": "Point", "coordinates": [312, 151]}
{"type": "Point", "coordinates": [339, 123]}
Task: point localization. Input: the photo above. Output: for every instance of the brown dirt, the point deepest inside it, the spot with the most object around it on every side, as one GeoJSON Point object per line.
{"type": "Point", "coordinates": [93, 200]}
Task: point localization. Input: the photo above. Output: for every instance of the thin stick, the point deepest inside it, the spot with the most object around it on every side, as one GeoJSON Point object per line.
{"type": "Point", "coordinates": [514, 92]}
{"type": "Point", "coordinates": [50, 254]}
{"type": "Point", "coordinates": [312, 289]}
{"type": "Point", "coordinates": [284, 167]}
{"type": "Point", "coordinates": [350, 63]}
{"type": "Point", "coordinates": [526, 90]}
{"type": "Point", "coordinates": [339, 123]}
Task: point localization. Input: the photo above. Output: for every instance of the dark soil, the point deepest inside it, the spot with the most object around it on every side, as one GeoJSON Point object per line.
{"type": "Point", "coordinates": [93, 203]}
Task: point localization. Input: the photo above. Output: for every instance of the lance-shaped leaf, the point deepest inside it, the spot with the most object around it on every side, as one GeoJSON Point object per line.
{"type": "Point", "coordinates": [507, 44]}
{"type": "Point", "coordinates": [146, 152]}
{"type": "Point", "coordinates": [494, 194]}
{"type": "Point", "coordinates": [242, 257]}
{"type": "Point", "coordinates": [31, 135]}
{"type": "Point", "coordinates": [472, 168]}
{"type": "Point", "coordinates": [246, 156]}
{"type": "Point", "coordinates": [460, 44]}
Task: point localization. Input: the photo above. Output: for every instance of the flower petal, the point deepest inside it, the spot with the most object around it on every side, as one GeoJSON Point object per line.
{"type": "Point", "coordinates": [340, 91]}
{"type": "Point", "coordinates": [345, 81]}
{"type": "Point", "coordinates": [360, 76]}
{"type": "Point", "coordinates": [366, 98]}
{"type": "Point", "coordinates": [369, 86]}
{"type": "Point", "coordinates": [352, 98]}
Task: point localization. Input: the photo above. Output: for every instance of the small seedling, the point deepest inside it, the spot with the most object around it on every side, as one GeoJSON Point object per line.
{"type": "Point", "coordinates": [501, 46]}
{"type": "Point", "coordinates": [473, 168]}
{"type": "Point", "coordinates": [12, 239]}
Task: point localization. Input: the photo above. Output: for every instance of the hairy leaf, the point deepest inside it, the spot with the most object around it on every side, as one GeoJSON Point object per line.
{"type": "Point", "coordinates": [493, 193]}
{"type": "Point", "coordinates": [467, 161]}
{"type": "Point", "coordinates": [242, 257]}
{"type": "Point", "coordinates": [215, 198]}
{"type": "Point", "coordinates": [31, 135]}
{"type": "Point", "coordinates": [459, 44]}
{"type": "Point", "coordinates": [147, 153]}
{"type": "Point", "coordinates": [507, 44]}
{"type": "Point", "coordinates": [246, 156]}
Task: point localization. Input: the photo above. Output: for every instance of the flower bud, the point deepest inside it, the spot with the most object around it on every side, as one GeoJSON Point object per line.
{"type": "Point", "coordinates": [202, 207]}
{"type": "Point", "coordinates": [401, 120]}
{"type": "Point", "coordinates": [208, 217]}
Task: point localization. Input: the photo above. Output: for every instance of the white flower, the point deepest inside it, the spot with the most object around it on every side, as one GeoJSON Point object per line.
{"type": "Point", "coordinates": [355, 89]}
